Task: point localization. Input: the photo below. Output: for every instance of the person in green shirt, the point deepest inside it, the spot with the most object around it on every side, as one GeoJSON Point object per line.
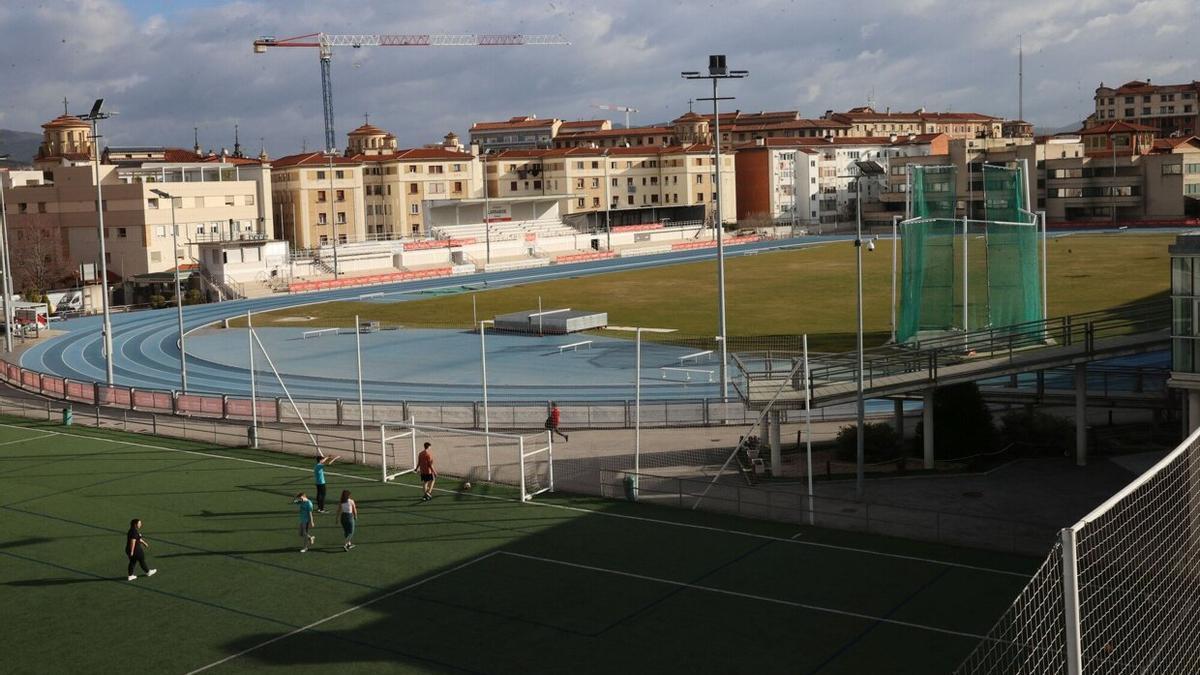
{"type": "Point", "coordinates": [306, 521]}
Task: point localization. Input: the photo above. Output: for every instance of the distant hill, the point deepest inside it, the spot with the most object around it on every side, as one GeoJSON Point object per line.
{"type": "Point", "coordinates": [20, 146]}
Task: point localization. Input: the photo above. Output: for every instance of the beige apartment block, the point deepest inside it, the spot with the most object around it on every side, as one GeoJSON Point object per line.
{"type": "Point", "coordinates": [634, 185]}
{"type": "Point", "coordinates": [866, 121]}
{"type": "Point", "coordinates": [1172, 109]}
{"type": "Point", "coordinates": [319, 199]}
{"type": "Point", "coordinates": [53, 221]}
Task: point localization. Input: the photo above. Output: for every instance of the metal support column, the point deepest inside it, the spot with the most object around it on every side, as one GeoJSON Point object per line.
{"type": "Point", "coordinates": [1081, 414]}
{"type": "Point", "coordinates": [927, 415]}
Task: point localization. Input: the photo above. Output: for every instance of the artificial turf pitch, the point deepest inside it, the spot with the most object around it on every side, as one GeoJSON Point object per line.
{"type": "Point", "coordinates": [469, 582]}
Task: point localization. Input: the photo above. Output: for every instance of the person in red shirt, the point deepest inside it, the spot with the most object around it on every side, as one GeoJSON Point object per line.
{"type": "Point", "coordinates": [552, 421]}
{"type": "Point", "coordinates": [427, 472]}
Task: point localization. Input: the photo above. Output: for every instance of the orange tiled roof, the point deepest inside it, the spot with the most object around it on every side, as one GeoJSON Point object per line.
{"type": "Point", "coordinates": [417, 154]}
{"type": "Point", "coordinates": [514, 123]}
{"type": "Point", "coordinates": [317, 159]}
{"type": "Point", "coordinates": [1114, 127]}
{"type": "Point", "coordinates": [64, 121]}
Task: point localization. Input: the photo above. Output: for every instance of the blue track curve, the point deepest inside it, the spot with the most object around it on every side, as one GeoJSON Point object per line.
{"type": "Point", "coordinates": [147, 352]}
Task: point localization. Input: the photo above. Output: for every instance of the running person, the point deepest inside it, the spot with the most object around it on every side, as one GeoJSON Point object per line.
{"type": "Point", "coordinates": [135, 549]}
{"type": "Point", "coordinates": [552, 421]}
{"type": "Point", "coordinates": [428, 473]}
{"type": "Point", "coordinates": [348, 514]}
{"type": "Point", "coordinates": [319, 476]}
{"type": "Point", "coordinates": [306, 521]}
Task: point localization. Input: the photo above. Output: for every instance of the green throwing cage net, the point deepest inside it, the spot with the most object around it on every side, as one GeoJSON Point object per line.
{"type": "Point", "coordinates": [998, 256]}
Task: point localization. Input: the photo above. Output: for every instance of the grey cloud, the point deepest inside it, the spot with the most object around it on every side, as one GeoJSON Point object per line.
{"type": "Point", "coordinates": [193, 65]}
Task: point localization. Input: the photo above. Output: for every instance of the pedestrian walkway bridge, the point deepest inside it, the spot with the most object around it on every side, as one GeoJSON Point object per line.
{"type": "Point", "coordinates": [775, 379]}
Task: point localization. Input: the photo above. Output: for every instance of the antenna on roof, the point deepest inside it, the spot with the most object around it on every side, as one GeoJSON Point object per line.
{"type": "Point", "coordinates": [1020, 76]}
{"type": "Point", "coordinates": [237, 144]}
{"type": "Point", "coordinates": [196, 140]}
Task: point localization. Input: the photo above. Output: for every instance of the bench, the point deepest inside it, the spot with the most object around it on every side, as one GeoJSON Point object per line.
{"type": "Point", "coordinates": [319, 332]}
{"type": "Point", "coordinates": [684, 359]}
{"type": "Point", "coordinates": [574, 346]}
{"type": "Point", "coordinates": [687, 373]}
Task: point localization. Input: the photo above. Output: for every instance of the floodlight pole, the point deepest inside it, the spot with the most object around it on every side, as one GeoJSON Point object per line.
{"type": "Point", "coordinates": [860, 453]}
{"type": "Point", "coordinates": [808, 431]}
{"type": "Point", "coordinates": [607, 205]}
{"type": "Point", "coordinates": [7, 288]}
{"type": "Point", "coordinates": [717, 70]}
{"type": "Point", "coordinates": [487, 228]}
{"type": "Point", "coordinates": [178, 296]}
{"type": "Point", "coordinates": [637, 407]}
{"type": "Point", "coordinates": [487, 439]}
{"type": "Point", "coordinates": [966, 283]}
{"type": "Point", "coordinates": [94, 117]}
{"type": "Point", "coordinates": [333, 217]}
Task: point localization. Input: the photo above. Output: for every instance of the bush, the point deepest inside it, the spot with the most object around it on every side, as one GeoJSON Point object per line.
{"type": "Point", "coordinates": [1038, 433]}
{"type": "Point", "coordinates": [193, 297]}
{"type": "Point", "coordinates": [157, 301]}
{"type": "Point", "coordinates": [962, 422]}
{"type": "Point", "coordinates": [880, 442]}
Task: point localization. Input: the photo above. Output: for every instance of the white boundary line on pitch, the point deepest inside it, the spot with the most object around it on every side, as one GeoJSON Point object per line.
{"type": "Point", "coordinates": [44, 434]}
{"type": "Point", "coordinates": [564, 507]}
{"type": "Point", "coordinates": [344, 612]}
{"type": "Point", "coordinates": [749, 596]}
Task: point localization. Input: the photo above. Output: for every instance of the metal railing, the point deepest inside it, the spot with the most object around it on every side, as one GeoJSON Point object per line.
{"type": "Point", "coordinates": [931, 355]}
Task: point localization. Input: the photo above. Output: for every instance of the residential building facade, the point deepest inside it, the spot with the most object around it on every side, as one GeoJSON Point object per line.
{"type": "Point", "coordinates": [1171, 109]}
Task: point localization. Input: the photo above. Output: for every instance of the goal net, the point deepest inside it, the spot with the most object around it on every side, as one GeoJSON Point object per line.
{"type": "Point", "coordinates": [1120, 590]}
{"type": "Point", "coordinates": [522, 461]}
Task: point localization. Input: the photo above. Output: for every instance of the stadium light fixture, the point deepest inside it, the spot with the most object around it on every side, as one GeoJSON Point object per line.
{"type": "Point", "coordinates": [637, 392]}
{"type": "Point", "coordinates": [717, 70]}
{"type": "Point", "coordinates": [178, 292]}
{"type": "Point", "coordinates": [487, 439]}
{"type": "Point", "coordinates": [866, 168]}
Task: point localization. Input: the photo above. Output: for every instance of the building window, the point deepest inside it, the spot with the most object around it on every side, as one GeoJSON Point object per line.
{"type": "Point", "coordinates": [437, 168]}
{"type": "Point", "coordinates": [341, 217]}
{"type": "Point", "coordinates": [22, 207]}
{"type": "Point", "coordinates": [699, 179]}
{"type": "Point", "coordinates": [630, 200]}
{"type": "Point", "coordinates": [1172, 169]}
{"type": "Point", "coordinates": [537, 185]}
{"type": "Point", "coordinates": [595, 201]}
{"type": "Point", "coordinates": [321, 196]}
{"type": "Point", "coordinates": [614, 182]}
{"type": "Point", "coordinates": [414, 209]}
{"type": "Point", "coordinates": [700, 196]}
{"type": "Point", "coordinates": [579, 202]}
{"type": "Point", "coordinates": [1129, 112]}
{"type": "Point", "coordinates": [595, 182]}
{"type": "Point", "coordinates": [513, 186]}
{"type": "Point", "coordinates": [152, 203]}
{"type": "Point", "coordinates": [413, 168]}
{"type": "Point", "coordinates": [321, 219]}
{"type": "Point", "coordinates": [324, 239]}
{"type": "Point", "coordinates": [341, 195]}
{"type": "Point", "coordinates": [320, 175]}
{"type": "Point", "coordinates": [578, 183]}
{"type": "Point", "coordinates": [339, 174]}
{"type": "Point", "coordinates": [458, 186]}
{"type": "Point", "coordinates": [122, 233]}
{"type": "Point", "coordinates": [249, 200]}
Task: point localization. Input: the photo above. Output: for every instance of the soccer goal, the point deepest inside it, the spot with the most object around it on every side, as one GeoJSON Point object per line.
{"type": "Point", "coordinates": [523, 461]}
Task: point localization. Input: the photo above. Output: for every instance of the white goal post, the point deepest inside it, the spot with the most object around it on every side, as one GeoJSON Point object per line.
{"type": "Point", "coordinates": [523, 461]}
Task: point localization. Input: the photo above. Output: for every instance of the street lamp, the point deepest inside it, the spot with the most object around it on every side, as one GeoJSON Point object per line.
{"type": "Point", "coordinates": [718, 71]}
{"type": "Point", "coordinates": [637, 390]}
{"type": "Point", "coordinates": [4, 259]}
{"type": "Point", "coordinates": [94, 116]}
{"type": "Point", "coordinates": [178, 292]}
{"type": "Point", "coordinates": [865, 168]}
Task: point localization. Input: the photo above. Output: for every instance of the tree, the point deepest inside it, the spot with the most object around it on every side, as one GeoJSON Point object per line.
{"type": "Point", "coordinates": [39, 257]}
{"type": "Point", "coordinates": [962, 423]}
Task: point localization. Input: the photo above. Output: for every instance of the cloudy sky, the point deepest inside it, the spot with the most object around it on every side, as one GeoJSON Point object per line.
{"type": "Point", "coordinates": [170, 65]}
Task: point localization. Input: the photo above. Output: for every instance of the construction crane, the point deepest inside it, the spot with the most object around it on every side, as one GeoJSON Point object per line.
{"type": "Point", "coordinates": [618, 108]}
{"type": "Point", "coordinates": [325, 42]}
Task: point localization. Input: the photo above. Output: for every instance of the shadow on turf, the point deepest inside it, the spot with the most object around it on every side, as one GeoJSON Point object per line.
{"type": "Point", "coordinates": [28, 541]}
{"type": "Point", "coordinates": [57, 581]}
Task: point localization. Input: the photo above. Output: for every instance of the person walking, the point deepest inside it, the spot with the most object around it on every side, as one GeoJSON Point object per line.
{"type": "Point", "coordinates": [306, 521]}
{"type": "Point", "coordinates": [348, 514]}
{"type": "Point", "coordinates": [135, 549]}
{"type": "Point", "coordinates": [319, 476]}
{"type": "Point", "coordinates": [426, 470]}
{"type": "Point", "coordinates": [553, 419]}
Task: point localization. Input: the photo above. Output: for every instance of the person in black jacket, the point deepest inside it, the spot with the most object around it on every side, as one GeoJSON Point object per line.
{"type": "Point", "coordinates": [135, 549]}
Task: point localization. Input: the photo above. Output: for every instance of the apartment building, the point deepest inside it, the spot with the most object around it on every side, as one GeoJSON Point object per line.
{"type": "Point", "coordinates": [319, 199]}
{"type": "Point", "coordinates": [866, 121]}
{"type": "Point", "coordinates": [633, 185]}
{"type": "Point", "coordinates": [1172, 109]}
{"type": "Point", "coordinates": [969, 156]}
{"type": "Point", "coordinates": [1125, 174]}
{"type": "Point", "coordinates": [692, 127]}
{"type": "Point", "coordinates": [520, 132]}
{"type": "Point", "coordinates": [53, 219]}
